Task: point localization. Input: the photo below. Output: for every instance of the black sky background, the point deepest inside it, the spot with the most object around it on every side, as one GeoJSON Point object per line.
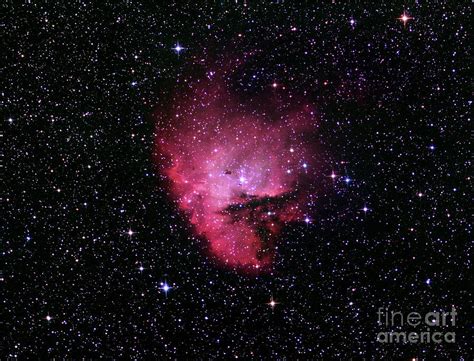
{"type": "Point", "coordinates": [80, 85]}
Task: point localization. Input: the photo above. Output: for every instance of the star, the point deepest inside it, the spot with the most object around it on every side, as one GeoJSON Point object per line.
{"type": "Point", "coordinates": [272, 303]}
{"type": "Point", "coordinates": [405, 17]}
{"type": "Point", "coordinates": [178, 48]}
{"type": "Point", "coordinates": [165, 287]}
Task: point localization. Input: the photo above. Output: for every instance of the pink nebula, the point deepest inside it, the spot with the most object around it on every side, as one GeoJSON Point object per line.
{"type": "Point", "coordinates": [239, 171]}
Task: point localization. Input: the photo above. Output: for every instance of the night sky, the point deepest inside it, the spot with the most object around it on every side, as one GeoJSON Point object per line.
{"type": "Point", "coordinates": [234, 180]}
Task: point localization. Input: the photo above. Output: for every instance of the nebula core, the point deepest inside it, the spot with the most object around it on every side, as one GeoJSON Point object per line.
{"type": "Point", "coordinates": [240, 170]}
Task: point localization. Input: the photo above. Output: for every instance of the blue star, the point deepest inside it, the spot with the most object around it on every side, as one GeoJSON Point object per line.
{"type": "Point", "coordinates": [178, 48]}
{"type": "Point", "coordinates": [165, 287]}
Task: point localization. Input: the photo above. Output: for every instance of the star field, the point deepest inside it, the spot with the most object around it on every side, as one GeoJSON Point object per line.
{"type": "Point", "coordinates": [360, 203]}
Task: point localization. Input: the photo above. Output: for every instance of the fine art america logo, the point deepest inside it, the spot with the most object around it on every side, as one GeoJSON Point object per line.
{"type": "Point", "coordinates": [435, 326]}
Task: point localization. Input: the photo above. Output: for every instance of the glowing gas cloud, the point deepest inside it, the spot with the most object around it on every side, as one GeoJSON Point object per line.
{"type": "Point", "coordinates": [238, 169]}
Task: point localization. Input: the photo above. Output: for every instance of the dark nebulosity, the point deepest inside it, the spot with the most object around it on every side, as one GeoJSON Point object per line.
{"type": "Point", "coordinates": [100, 259]}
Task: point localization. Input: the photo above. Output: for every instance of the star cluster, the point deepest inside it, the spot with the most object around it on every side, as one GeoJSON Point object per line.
{"type": "Point", "coordinates": [102, 257]}
{"type": "Point", "coordinates": [239, 176]}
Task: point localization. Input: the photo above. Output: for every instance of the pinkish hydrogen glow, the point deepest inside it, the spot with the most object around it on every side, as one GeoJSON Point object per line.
{"type": "Point", "coordinates": [239, 175]}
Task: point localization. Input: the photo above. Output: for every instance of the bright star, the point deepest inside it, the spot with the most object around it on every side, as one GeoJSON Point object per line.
{"type": "Point", "coordinates": [165, 287]}
{"type": "Point", "coordinates": [405, 17]}
{"type": "Point", "coordinates": [178, 48]}
{"type": "Point", "coordinates": [272, 303]}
